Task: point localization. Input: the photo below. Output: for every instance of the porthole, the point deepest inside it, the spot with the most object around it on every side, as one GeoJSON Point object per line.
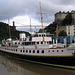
{"type": "Point", "coordinates": [23, 50]}
{"type": "Point", "coordinates": [37, 51]}
{"type": "Point", "coordinates": [53, 51]}
{"type": "Point", "coordinates": [47, 42]}
{"type": "Point", "coordinates": [29, 51]}
{"type": "Point", "coordinates": [57, 50]}
{"type": "Point", "coordinates": [42, 51]}
{"type": "Point", "coordinates": [16, 50]}
{"type": "Point", "coordinates": [37, 42]}
{"type": "Point", "coordinates": [20, 50]}
{"type": "Point", "coordinates": [18, 42]}
{"type": "Point", "coordinates": [62, 50]}
{"type": "Point", "coordinates": [33, 51]}
{"type": "Point", "coordinates": [41, 42]}
{"type": "Point", "coordinates": [49, 51]}
{"type": "Point", "coordinates": [15, 42]}
{"type": "Point", "coordinates": [26, 51]}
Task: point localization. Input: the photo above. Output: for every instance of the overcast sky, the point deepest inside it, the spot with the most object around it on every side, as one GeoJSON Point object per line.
{"type": "Point", "coordinates": [21, 11]}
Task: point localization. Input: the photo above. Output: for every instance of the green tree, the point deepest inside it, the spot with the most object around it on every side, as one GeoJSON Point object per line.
{"type": "Point", "coordinates": [67, 20]}
{"type": "Point", "coordinates": [51, 28]}
{"type": "Point", "coordinates": [62, 33]}
{"type": "Point", "coordinates": [4, 32]}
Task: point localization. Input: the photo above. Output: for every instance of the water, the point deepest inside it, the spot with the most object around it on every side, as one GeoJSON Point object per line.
{"type": "Point", "coordinates": [13, 66]}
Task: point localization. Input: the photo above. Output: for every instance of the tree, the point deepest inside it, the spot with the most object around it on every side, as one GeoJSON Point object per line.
{"type": "Point", "coordinates": [62, 33]}
{"type": "Point", "coordinates": [4, 32]}
{"type": "Point", "coordinates": [51, 28]}
{"type": "Point", "coordinates": [67, 20]}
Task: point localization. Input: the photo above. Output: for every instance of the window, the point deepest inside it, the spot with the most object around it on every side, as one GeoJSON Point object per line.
{"type": "Point", "coordinates": [49, 51]}
{"type": "Point", "coordinates": [37, 51]}
{"type": "Point", "coordinates": [23, 50]}
{"type": "Point", "coordinates": [16, 50]}
{"type": "Point", "coordinates": [33, 43]}
{"type": "Point", "coordinates": [62, 51]}
{"type": "Point", "coordinates": [39, 35]}
{"type": "Point", "coordinates": [47, 42]}
{"type": "Point", "coordinates": [26, 51]}
{"type": "Point", "coordinates": [33, 51]}
{"type": "Point", "coordinates": [18, 42]}
{"type": "Point", "coordinates": [15, 42]}
{"type": "Point", "coordinates": [53, 51]}
{"type": "Point", "coordinates": [42, 51]}
{"type": "Point", "coordinates": [37, 42]}
{"type": "Point", "coordinates": [57, 50]}
{"type": "Point", "coordinates": [20, 50]}
{"type": "Point", "coordinates": [41, 42]}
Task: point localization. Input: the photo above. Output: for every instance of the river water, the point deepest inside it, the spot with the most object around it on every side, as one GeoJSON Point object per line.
{"type": "Point", "coordinates": [13, 66]}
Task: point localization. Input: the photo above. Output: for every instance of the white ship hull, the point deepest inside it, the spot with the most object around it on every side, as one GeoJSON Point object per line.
{"type": "Point", "coordinates": [62, 56]}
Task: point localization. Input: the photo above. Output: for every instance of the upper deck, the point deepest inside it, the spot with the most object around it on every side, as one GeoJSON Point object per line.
{"type": "Point", "coordinates": [39, 37]}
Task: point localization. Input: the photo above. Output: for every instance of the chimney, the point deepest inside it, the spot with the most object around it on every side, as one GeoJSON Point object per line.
{"type": "Point", "coordinates": [14, 25]}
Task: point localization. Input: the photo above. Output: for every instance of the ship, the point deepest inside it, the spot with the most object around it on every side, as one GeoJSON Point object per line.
{"type": "Point", "coordinates": [35, 49]}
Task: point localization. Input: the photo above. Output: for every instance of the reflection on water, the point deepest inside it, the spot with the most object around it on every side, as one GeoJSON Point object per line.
{"type": "Point", "coordinates": [11, 66]}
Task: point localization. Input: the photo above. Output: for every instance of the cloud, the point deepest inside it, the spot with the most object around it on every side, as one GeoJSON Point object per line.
{"type": "Point", "coordinates": [13, 8]}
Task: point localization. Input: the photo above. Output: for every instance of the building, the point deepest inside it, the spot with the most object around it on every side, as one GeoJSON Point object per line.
{"type": "Point", "coordinates": [60, 16]}
{"type": "Point", "coordinates": [69, 29]}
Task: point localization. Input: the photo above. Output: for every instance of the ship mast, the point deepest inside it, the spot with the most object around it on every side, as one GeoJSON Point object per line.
{"type": "Point", "coordinates": [42, 22]}
{"type": "Point", "coordinates": [30, 27]}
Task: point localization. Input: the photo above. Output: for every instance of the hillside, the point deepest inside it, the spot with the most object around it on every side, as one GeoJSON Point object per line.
{"type": "Point", "coordinates": [51, 28]}
{"type": "Point", "coordinates": [4, 31]}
